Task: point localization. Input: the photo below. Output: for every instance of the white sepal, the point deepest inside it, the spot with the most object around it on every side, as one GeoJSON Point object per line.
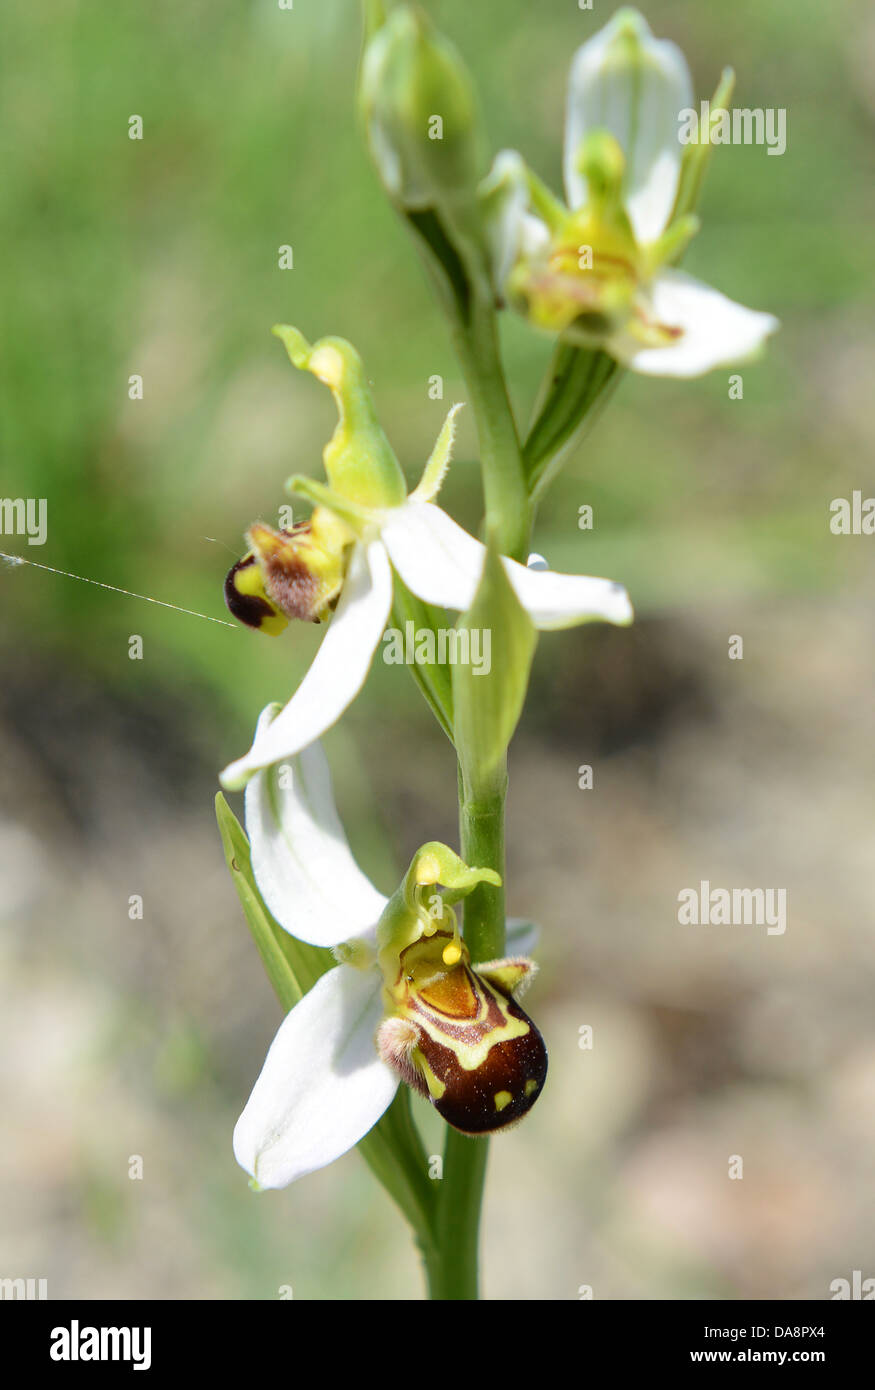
{"type": "Point", "coordinates": [716, 331]}
{"type": "Point", "coordinates": [322, 1086]}
{"type": "Point", "coordinates": [300, 856]}
{"type": "Point", "coordinates": [338, 671]}
{"type": "Point", "coordinates": [634, 86]}
{"type": "Point", "coordinates": [442, 564]}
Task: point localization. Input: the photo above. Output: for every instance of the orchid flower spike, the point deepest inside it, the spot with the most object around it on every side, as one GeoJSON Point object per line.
{"type": "Point", "coordinates": [598, 270]}
{"type": "Point", "coordinates": [404, 1002]}
{"type": "Point", "coordinates": [338, 566]}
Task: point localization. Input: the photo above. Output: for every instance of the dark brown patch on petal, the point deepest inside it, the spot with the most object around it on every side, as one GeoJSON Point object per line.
{"type": "Point", "coordinates": [497, 1093]}
{"type": "Point", "coordinates": [247, 608]}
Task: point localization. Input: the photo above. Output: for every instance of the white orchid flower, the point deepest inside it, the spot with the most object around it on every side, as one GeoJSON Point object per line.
{"type": "Point", "coordinates": [376, 1018]}
{"type": "Point", "coordinates": [599, 269]}
{"type": "Point", "coordinates": [346, 555]}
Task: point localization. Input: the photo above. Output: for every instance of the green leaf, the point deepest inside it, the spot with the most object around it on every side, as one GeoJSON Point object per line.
{"type": "Point", "coordinates": [577, 380]}
{"type": "Point", "coordinates": [292, 966]}
{"type": "Point", "coordinates": [488, 699]}
{"type": "Point", "coordinates": [696, 156]}
{"type": "Point", "coordinates": [433, 678]}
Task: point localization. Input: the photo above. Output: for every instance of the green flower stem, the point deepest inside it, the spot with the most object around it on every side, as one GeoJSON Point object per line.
{"type": "Point", "coordinates": [481, 836]}
{"type": "Point", "coordinates": [453, 1268]}
{"type": "Point", "coordinates": [505, 492]}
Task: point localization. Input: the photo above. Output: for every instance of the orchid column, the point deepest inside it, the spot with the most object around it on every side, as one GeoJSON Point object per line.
{"type": "Point", "coordinates": [387, 989]}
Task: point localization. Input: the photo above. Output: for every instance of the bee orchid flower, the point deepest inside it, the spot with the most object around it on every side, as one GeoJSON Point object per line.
{"type": "Point", "coordinates": [338, 566]}
{"type": "Point", "coordinates": [404, 1002]}
{"type": "Point", "coordinates": [599, 269]}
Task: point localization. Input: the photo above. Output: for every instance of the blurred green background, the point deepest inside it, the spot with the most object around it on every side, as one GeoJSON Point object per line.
{"type": "Point", "coordinates": [160, 257]}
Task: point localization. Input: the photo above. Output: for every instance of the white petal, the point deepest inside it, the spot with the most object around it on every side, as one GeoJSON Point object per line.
{"type": "Point", "coordinates": [338, 671]}
{"type": "Point", "coordinates": [322, 1086]}
{"type": "Point", "coordinates": [638, 97]}
{"type": "Point", "coordinates": [300, 857]}
{"type": "Point", "coordinates": [436, 559]}
{"type": "Point", "coordinates": [534, 236]}
{"type": "Point", "coordinates": [442, 564]}
{"type": "Point", "coordinates": [716, 330]}
{"type": "Point", "coordinates": [563, 600]}
{"type": "Point", "coordinates": [504, 202]}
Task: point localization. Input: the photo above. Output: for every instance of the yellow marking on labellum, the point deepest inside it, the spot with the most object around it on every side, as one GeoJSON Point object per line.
{"type": "Point", "coordinates": [436, 1087]}
{"type": "Point", "coordinates": [475, 1036]}
{"type": "Point", "coordinates": [248, 599]}
{"type": "Point", "coordinates": [457, 1039]}
{"type": "Point", "coordinates": [451, 1003]}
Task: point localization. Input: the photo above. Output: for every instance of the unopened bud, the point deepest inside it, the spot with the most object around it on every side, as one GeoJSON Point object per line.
{"type": "Point", "coordinates": [420, 112]}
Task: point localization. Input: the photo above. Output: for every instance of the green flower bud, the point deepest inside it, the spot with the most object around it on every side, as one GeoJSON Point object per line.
{"type": "Point", "coordinates": [420, 113]}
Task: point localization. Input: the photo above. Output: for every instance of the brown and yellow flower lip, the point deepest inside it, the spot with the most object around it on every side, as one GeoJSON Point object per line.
{"type": "Point", "coordinates": [498, 1092]}
{"type": "Point", "coordinates": [290, 579]}
{"type": "Point", "coordinates": [295, 572]}
{"type": "Point", "coordinates": [458, 1036]}
{"type": "Point", "coordinates": [247, 600]}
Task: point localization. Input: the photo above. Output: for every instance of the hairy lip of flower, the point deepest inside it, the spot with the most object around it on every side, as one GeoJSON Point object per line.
{"type": "Point", "coordinates": [461, 1040]}
{"type": "Point", "coordinates": [287, 574]}
{"type": "Point", "coordinates": [290, 570]}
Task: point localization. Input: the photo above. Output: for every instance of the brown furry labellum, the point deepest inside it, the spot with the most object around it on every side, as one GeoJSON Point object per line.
{"type": "Point", "coordinates": [286, 574]}
{"type": "Point", "coordinates": [458, 1036]}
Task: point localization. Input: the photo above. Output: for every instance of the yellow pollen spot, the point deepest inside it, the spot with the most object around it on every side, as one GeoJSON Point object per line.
{"type": "Point", "coordinates": [531, 1087]}
{"type": "Point", "coordinates": [452, 953]}
{"type": "Point", "coordinates": [502, 1099]}
{"type": "Point", "coordinates": [428, 870]}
